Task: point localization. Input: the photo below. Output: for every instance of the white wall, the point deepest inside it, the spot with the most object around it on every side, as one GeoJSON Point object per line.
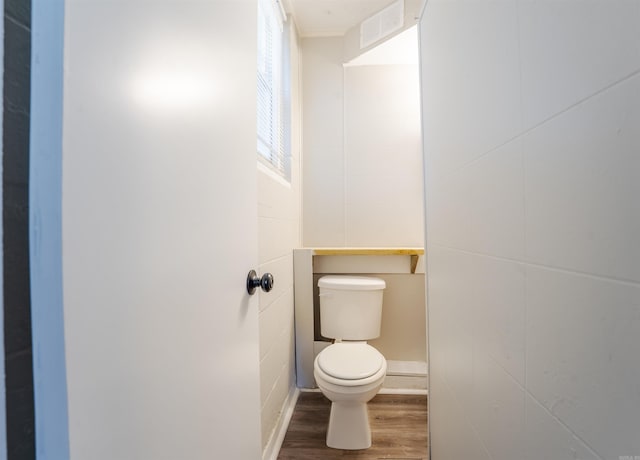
{"type": "Point", "coordinates": [323, 171]}
{"type": "Point", "coordinates": [403, 328]}
{"type": "Point", "coordinates": [362, 163]}
{"type": "Point", "coordinates": [278, 234]}
{"type": "Point", "coordinates": [531, 115]}
{"type": "Point", "coordinates": [382, 157]}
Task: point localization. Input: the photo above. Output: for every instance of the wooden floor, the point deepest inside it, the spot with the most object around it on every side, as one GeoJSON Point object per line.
{"type": "Point", "coordinates": [398, 430]}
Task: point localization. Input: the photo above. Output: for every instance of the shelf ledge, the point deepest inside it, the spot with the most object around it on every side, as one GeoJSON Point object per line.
{"type": "Point", "coordinates": [414, 253]}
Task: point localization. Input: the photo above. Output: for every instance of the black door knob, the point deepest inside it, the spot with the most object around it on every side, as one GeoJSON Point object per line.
{"type": "Point", "coordinates": [253, 281]}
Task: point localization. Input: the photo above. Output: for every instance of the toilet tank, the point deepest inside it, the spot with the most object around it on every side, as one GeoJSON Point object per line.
{"type": "Point", "coordinates": [350, 307]}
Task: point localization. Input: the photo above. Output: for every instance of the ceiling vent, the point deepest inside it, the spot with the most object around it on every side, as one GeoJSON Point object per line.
{"type": "Point", "coordinates": [382, 24]}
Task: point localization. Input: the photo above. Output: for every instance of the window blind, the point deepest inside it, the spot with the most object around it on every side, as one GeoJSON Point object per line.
{"type": "Point", "coordinates": [271, 88]}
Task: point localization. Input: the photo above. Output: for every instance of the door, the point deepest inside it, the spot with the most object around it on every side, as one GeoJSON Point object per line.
{"type": "Point", "coordinates": [159, 230]}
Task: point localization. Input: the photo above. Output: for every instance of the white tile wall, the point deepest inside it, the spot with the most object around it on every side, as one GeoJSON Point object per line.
{"type": "Point", "coordinates": [450, 209]}
{"type": "Point", "coordinates": [497, 409]}
{"type": "Point", "coordinates": [275, 236]}
{"type": "Point", "coordinates": [546, 437]}
{"type": "Point", "coordinates": [499, 326]}
{"type": "Point", "coordinates": [274, 321]}
{"type": "Point", "coordinates": [533, 164]}
{"type": "Point", "coordinates": [497, 202]}
{"type": "Point", "coordinates": [582, 343]}
{"type": "Point", "coordinates": [451, 306]}
{"type": "Point", "coordinates": [572, 50]}
{"type": "Point", "coordinates": [273, 404]}
{"type": "Point", "coordinates": [275, 361]}
{"type": "Point", "coordinates": [283, 267]}
{"type": "Point", "coordinates": [583, 167]}
{"type": "Point", "coordinates": [458, 439]}
{"type": "Point", "coordinates": [486, 34]}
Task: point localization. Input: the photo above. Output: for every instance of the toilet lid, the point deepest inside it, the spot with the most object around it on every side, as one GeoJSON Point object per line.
{"type": "Point", "coordinates": [350, 361]}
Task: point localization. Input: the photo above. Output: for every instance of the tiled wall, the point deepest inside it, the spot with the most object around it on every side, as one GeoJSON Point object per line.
{"type": "Point", "coordinates": [278, 234]}
{"type": "Point", "coordinates": [531, 116]}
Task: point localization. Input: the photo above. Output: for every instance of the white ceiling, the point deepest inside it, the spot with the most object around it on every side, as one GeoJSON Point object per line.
{"type": "Point", "coordinates": [316, 18]}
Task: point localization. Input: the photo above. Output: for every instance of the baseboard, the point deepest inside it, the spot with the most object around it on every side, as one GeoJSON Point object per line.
{"type": "Point", "coordinates": [272, 449]}
{"type": "Point", "coordinates": [402, 391]}
{"type": "Point", "coordinates": [405, 377]}
{"type": "Point", "coordinates": [407, 368]}
{"type": "Point", "coordinates": [383, 391]}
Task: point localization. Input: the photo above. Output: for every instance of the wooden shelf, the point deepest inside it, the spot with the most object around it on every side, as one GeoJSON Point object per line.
{"type": "Point", "coordinates": [414, 253]}
{"type": "Point", "coordinates": [368, 251]}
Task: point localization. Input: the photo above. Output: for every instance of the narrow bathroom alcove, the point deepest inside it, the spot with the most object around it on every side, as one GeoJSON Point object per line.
{"type": "Point", "coordinates": [363, 214]}
{"type": "Point", "coordinates": [403, 330]}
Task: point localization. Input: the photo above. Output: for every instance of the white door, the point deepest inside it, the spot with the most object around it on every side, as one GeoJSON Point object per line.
{"type": "Point", "coordinates": [159, 229]}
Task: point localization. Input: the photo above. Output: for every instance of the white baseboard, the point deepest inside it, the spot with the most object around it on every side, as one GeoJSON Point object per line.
{"type": "Point", "coordinates": [407, 368]}
{"type": "Point", "coordinates": [383, 391]}
{"type": "Point", "coordinates": [272, 449]}
{"type": "Point", "coordinates": [406, 377]}
{"type": "Point", "coordinates": [402, 391]}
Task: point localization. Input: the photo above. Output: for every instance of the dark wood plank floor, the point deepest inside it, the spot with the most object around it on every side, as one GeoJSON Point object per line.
{"type": "Point", "coordinates": [398, 430]}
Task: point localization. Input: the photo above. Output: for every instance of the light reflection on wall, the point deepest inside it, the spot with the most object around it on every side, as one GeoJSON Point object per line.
{"type": "Point", "coordinates": [172, 90]}
{"type": "Point", "coordinates": [177, 77]}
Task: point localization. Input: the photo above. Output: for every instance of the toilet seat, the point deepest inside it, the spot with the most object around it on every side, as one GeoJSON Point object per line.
{"type": "Point", "coordinates": [350, 364]}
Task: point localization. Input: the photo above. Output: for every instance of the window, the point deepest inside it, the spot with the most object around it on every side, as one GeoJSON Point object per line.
{"type": "Point", "coordinates": [273, 92]}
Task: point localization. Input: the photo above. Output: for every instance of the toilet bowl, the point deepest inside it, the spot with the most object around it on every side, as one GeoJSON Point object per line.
{"type": "Point", "coordinates": [349, 374]}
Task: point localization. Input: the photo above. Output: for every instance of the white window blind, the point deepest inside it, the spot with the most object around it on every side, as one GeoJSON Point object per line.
{"type": "Point", "coordinates": [272, 147]}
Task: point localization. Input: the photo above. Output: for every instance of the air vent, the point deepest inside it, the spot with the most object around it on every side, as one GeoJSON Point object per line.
{"type": "Point", "coordinates": [382, 24]}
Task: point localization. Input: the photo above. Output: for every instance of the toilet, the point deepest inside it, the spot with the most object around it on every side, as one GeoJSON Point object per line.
{"type": "Point", "coordinates": [350, 372]}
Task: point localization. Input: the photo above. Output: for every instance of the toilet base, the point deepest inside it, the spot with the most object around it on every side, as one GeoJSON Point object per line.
{"type": "Point", "coordinates": [349, 426]}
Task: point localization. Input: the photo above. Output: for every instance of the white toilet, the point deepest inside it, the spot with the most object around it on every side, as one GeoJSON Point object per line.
{"type": "Point", "coordinates": [350, 372]}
